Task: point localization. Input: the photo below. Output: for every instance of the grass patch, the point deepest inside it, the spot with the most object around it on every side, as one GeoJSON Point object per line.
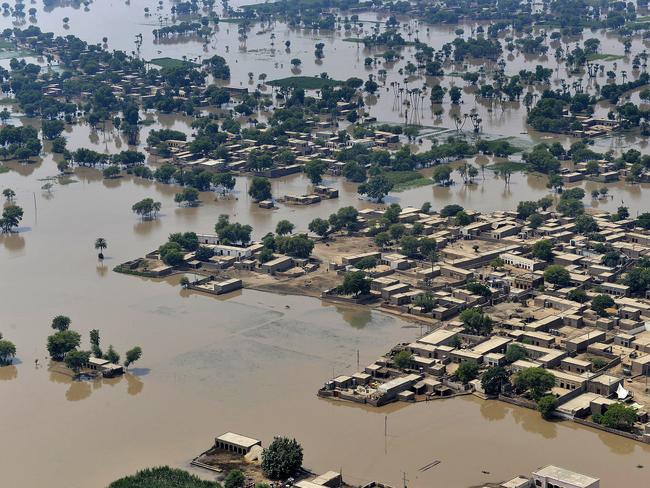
{"type": "Point", "coordinates": [171, 63]}
{"type": "Point", "coordinates": [304, 82]}
{"type": "Point", "coordinates": [5, 44]}
{"type": "Point", "coordinates": [4, 169]}
{"type": "Point", "coordinates": [603, 57]}
{"type": "Point", "coordinates": [404, 180]}
{"type": "Point", "coordinates": [513, 166]}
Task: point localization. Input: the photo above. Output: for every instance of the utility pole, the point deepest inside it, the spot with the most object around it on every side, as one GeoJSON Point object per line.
{"type": "Point", "coordinates": [404, 480]}
{"type": "Point", "coordinates": [385, 425]}
{"type": "Point", "coordinates": [358, 362]}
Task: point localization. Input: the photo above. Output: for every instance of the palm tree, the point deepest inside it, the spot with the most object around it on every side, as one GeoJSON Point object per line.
{"type": "Point", "coordinates": [100, 244]}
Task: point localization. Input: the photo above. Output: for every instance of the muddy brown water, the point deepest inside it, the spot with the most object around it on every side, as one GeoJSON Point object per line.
{"type": "Point", "coordinates": [250, 362]}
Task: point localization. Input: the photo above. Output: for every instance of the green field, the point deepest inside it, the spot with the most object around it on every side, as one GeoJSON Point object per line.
{"type": "Point", "coordinates": [171, 63]}
{"type": "Point", "coordinates": [603, 57]}
{"type": "Point", "coordinates": [304, 82]}
{"type": "Point", "coordinates": [513, 166]}
{"type": "Point", "coordinates": [404, 180]}
{"type": "Point", "coordinates": [4, 169]}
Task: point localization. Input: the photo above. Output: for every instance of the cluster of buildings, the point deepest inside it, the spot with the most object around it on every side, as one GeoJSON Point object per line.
{"type": "Point", "coordinates": [320, 142]}
{"type": "Point", "coordinates": [597, 359]}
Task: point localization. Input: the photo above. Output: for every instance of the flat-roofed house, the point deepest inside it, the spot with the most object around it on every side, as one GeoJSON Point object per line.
{"type": "Point", "coordinates": [236, 443]}
{"type": "Point", "coordinates": [555, 477]}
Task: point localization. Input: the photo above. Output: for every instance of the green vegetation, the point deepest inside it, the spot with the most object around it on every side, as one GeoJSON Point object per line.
{"type": "Point", "coordinates": [467, 371]}
{"type": "Point", "coordinates": [305, 82]}
{"type": "Point", "coordinates": [162, 477]}
{"type": "Point", "coordinates": [617, 416]}
{"type": "Point", "coordinates": [171, 63]}
{"type": "Point", "coordinates": [546, 405]}
{"type": "Point", "coordinates": [403, 359]}
{"type": "Point", "coordinates": [283, 458]}
{"type": "Point", "coordinates": [493, 379]}
{"type": "Point", "coordinates": [603, 57]}
{"type": "Point", "coordinates": [536, 381]}
{"type": "Point", "coordinates": [405, 180]}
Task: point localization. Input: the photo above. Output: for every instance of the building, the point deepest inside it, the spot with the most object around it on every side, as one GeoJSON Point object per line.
{"type": "Point", "coordinates": [555, 477]}
{"type": "Point", "coordinates": [236, 443]}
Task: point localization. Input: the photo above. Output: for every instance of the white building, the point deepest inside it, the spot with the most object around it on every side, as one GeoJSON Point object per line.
{"type": "Point", "coordinates": [555, 477]}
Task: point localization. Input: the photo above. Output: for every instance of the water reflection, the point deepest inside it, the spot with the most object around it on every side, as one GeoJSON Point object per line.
{"type": "Point", "coordinates": [8, 373]}
{"type": "Point", "coordinates": [356, 317]}
{"type": "Point", "coordinates": [12, 242]}
{"type": "Point", "coordinates": [493, 410]}
{"type": "Point", "coordinates": [532, 422]}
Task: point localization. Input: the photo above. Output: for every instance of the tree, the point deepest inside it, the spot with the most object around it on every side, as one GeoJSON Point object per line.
{"type": "Point", "coordinates": [9, 194]}
{"type": "Point", "coordinates": [585, 224]}
{"type": "Point", "coordinates": [111, 355]}
{"type": "Point", "coordinates": [426, 301]}
{"type": "Point", "coordinates": [52, 128]}
{"type": "Point", "coordinates": [314, 170]}
{"type": "Point", "coordinates": [442, 174]}
{"type": "Point", "coordinates": [188, 195]}
{"type": "Point", "coordinates": [478, 289]}
{"type": "Point", "coordinates": [403, 359]}
{"type": "Point", "coordinates": [467, 371]}
{"type": "Point", "coordinates": [409, 245]}
{"type": "Point", "coordinates": [235, 479]}
{"type": "Point", "coordinates": [146, 208]}
{"type": "Point", "coordinates": [535, 380]}
{"type": "Point", "coordinates": [7, 352]}
{"type": "Point", "coordinates": [526, 208]}
{"type": "Point", "coordinates": [75, 360]}
{"type": "Point", "coordinates": [133, 355]}
{"type": "Point", "coordinates": [61, 323]}
{"type": "Point", "coordinates": [11, 217]}
{"type": "Point", "coordinates": [577, 295]}
{"type": "Point", "coordinates": [377, 187]}
{"type": "Point", "coordinates": [547, 405]}
{"type": "Point", "coordinates": [319, 226]}
{"type": "Point", "coordinates": [515, 352]}
{"type": "Point", "coordinates": [171, 253]}
{"type": "Point", "coordinates": [62, 342]}
{"type": "Point", "coordinates": [601, 303]}
{"type": "Point", "coordinates": [355, 283]}
{"type": "Point", "coordinates": [382, 239]}
{"type": "Point", "coordinates": [284, 227]}
{"type": "Point", "coordinates": [100, 245]}
{"type": "Point", "coordinates": [618, 416]}
{"type": "Point", "coordinates": [492, 380]}
{"type": "Point", "coordinates": [450, 210]}
{"type": "Point", "coordinates": [298, 246]}
{"type": "Point", "coordinates": [282, 458]}
{"type": "Point", "coordinates": [543, 250]}
{"type": "Point", "coordinates": [497, 263]}
{"type": "Point", "coordinates": [94, 343]}
{"type": "Point", "coordinates": [476, 322]}
{"type": "Point", "coordinates": [557, 275]}
{"type": "Point", "coordinates": [368, 262]}
{"type": "Point", "coordinates": [260, 189]}
{"type": "Point", "coordinates": [111, 172]}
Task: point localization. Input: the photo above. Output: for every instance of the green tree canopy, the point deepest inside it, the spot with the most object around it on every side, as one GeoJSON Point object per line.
{"type": "Point", "coordinates": [282, 458]}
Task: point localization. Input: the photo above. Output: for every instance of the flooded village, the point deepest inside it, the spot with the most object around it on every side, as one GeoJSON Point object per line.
{"type": "Point", "coordinates": [325, 244]}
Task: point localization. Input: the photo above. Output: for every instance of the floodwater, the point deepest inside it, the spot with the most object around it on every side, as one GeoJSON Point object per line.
{"type": "Point", "coordinates": [250, 362]}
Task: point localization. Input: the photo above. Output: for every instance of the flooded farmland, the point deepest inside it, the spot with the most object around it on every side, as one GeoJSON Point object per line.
{"type": "Point", "coordinates": [251, 362]}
